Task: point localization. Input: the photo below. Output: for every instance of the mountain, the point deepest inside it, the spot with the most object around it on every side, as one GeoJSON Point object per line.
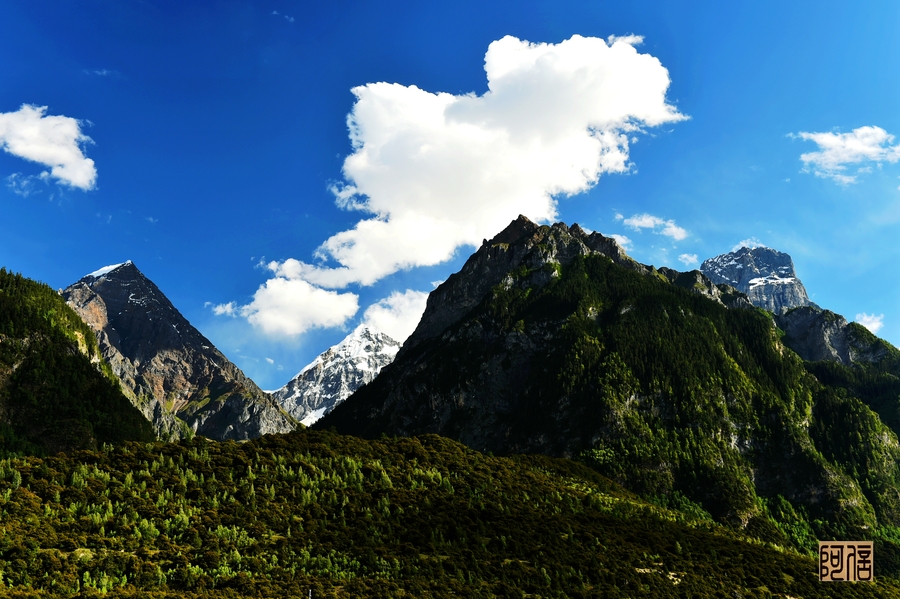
{"type": "Point", "coordinates": [550, 340]}
{"type": "Point", "coordinates": [335, 374]}
{"type": "Point", "coordinates": [168, 369]}
{"type": "Point", "coordinates": [56, 391]}
{"type": "Point", "coordinates": [765, 275]}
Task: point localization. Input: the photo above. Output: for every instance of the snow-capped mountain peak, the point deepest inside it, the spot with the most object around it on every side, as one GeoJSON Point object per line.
{"type": "Point", "coordinates": [767, 277]}
{"type": "Point", "coordinates": [336, 373]}
{"type": "Point", "coordinates": [105, 270]}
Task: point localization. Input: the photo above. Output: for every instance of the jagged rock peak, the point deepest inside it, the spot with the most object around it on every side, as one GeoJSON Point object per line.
{"type": "Point", "coordinates": [168, 369]}
{"type": "Point", "coordinates": [539, 248]}
{"type": "Point", "coordinates": [336, 373]}
{"type": "Point", "coordinates": [765, 275]}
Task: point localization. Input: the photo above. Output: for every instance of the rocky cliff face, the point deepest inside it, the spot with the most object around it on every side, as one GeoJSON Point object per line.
{"type": "Point", "coordinates": [765, 275]}
{"type": "Point", "coordinates": [169, 370]}
{"type": "Point", "coordinates": [336, 374]}
{"type": "Point", "coordinates": [818, 335]}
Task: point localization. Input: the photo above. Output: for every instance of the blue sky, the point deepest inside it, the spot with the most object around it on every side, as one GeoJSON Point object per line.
{"type": "Point", "coordinates": [209, 143]}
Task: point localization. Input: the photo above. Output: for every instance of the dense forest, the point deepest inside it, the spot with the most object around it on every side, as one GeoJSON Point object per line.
{"type": "Point", "coordinates": [56, 392]}
{"type": "Point", "coordinates": [341, 517]}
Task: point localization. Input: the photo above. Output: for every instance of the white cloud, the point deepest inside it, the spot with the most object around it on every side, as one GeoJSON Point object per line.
{"type": "Point", "coordinates": [270, 360]}
{"type": "Point", "coordinates": [398, 314]}
{"type": "Point", "coordinates": [838, 150]}
{"type": "Point", "coordinates": [689, 259]}
{"type": "Point", "coordinates": [290, 307]}
{"type": "Point", "coordinates": [54, 141]}
{"type": "Point", "coordinates": [658, 225]}
{"type": "Point", "coordinates": [750, 243]}
{"type": "Point", "coordinates": [870, 321]}
{"type": "Point", "coordinates": [624, 242]}
{"type": "Point", "coordinates": [101, 72]}
{"type": "Point", "coordinates": [25, 186]}
{"type": "Point", "coordinates": [229, 309]}
{"type": "Point", "coordinates": [437, 171]}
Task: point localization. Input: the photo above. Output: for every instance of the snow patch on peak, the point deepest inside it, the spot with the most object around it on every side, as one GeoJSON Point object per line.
{"type": "Point", "coordinates": [105, 270]}
{"type": "Point", "coordinates": [771, 280]}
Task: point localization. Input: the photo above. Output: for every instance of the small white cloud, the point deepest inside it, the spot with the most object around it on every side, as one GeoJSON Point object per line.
{"type": "Point", "coordinates": [750, 243]}
{"type": "Point", "coordinates": [289, 307]}
{"type": "Point", "coordinates": [631, 40]}
{"type": "Point", "coordinates": [100, 72]}
{"type": "Point", "coordinates": [688, 259]}
{"type": "Point", "coordinates": [229, 309]}
{"type": "Point", "coordinates": [435, 284]}
{"type": "Point", "coordinates": [270, 360]}
{"type": "Point", "coordinates": [152, 220]}
{"type": "Point", "coordinates": [624, 242]}
{"type": "Point", "coordinates": [870, 321]}
{"type": "Point", "coordinates": [398, 314]}
{"type": "Point", "coordinates": [287, 18]}
{"type": "Point", "coordinates": [839, 150]}
{"type": "Point", "coordinates": [657, 224]}
{"type": "Point", "coordinates": [674, 231]}
{"type": "Point", "coordinates": [54, 141]}
{"type": "Point", "coordinates": [619, 216]}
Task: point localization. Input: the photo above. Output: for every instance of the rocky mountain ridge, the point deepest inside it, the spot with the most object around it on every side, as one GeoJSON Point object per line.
{"type": "Point", "coordinates": [168, 369]}
{"type": "Point", "coordinates": [335, 374]}
{"type": "Point", "coordinates": [525, 249]}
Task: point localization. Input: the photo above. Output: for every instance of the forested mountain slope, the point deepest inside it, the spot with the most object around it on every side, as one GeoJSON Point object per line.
{"type": "Point", "coordinates": [56, 392]}
{"type": "Point", "coordinates": [284, 515]}
{"type": "Point", "coordinates": [663, 389]}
